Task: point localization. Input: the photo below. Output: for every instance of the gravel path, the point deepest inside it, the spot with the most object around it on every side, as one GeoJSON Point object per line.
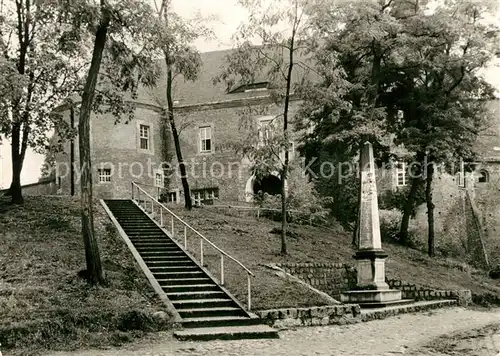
{"type": "Point", "coordinates": [406, 333]}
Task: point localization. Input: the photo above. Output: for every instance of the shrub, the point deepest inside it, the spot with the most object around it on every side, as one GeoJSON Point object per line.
{"type": "Point", "coordinates": [304, 204]}
{"type": "Point", "coordinates": [390, 222]}
{"type": "Point", "coordinates": [397, 199]}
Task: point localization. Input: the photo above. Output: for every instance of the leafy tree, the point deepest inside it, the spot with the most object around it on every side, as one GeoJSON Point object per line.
{"type": "Point", "coordinates": [440, 91]}
{"type": "Point", "coordinates": [354, 40]}
{"type": "Point", "coordinates": [36, 75]}
{"type": "Point", "coordinates": [173, 38]}
{"type": "Point", "coordinates": [280, 29]}
{"type": "Point", "coordinates": [397, 58]}
{"type": "Point", "coordinates": [120, 28]}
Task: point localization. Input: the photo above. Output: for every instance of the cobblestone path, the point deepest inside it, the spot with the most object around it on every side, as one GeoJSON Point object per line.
{"type": "Point", "coordinates": [403, 334]}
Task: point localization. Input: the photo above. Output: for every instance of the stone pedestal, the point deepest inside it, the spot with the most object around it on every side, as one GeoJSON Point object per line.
{"type": "Point", "coordinates": [371, 288]}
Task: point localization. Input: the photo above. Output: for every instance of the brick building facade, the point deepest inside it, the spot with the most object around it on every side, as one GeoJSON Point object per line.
{"type": "Point", "coordinates": [208, 119]}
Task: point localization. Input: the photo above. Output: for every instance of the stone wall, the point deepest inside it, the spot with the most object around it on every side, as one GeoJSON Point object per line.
{"type": "Point", "coordinates": [115, 146]}
{"type": "Point", "coordinates": [43, 187]}
{"type": "Point", "coordinates": [334, 278]}
{"type": "Point", "coordinates": [412, 291]}
{"type": "Point", "coordinates": [314, 316]}
{"type": "Point", "coordinates": [331, 278]}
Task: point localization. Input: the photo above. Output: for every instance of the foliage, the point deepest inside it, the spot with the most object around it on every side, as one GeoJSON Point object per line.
{"type": "Point", "coordinates": [399, 73]}
{"type": "Point", "coordinates": [304, 204]}
{"type": "Point", "coordinates": [389, 224]}
{"type": "Point", "coordinates": [397, 199]}
{"type": "Point", "coordinates": [281, 29]}
{"type": "Point", "coordinates": [172, 39]}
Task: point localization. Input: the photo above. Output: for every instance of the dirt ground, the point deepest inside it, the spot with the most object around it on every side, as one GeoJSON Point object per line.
{"type": "Point", "coordinates": [449, 331]}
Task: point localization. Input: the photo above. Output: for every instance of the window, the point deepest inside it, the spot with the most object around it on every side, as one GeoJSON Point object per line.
{"type": "Point", "coordinates": [172, 197]}
{"type": "Point", "coordinates": [104, 175]}
{"type": "Point", "coordinates": [401, 174]}
{"type": "Point", "coordinates": [461, 179]}
{"type": "Point", "coordinates": [484, 177]}
{"type": "Point", "coordinates": [144, 137]}
{"type": "Point", "coordinates": [205, 139]}
{"type": "Point", "coordinates": [159, 180]}
{"type": "Point", "coordinates": [265, 130]}
{"type": "Point", "coordinates": [196, 197]}
{"type": "Point", "coordinates": [200, 195]}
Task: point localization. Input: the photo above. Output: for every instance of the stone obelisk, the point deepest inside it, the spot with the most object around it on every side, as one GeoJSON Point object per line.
{"type": "Point", "coordinates": [371, 289]}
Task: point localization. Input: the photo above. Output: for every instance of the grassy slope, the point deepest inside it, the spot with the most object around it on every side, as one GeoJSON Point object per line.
{"type": "Point", "coordinates": [250, 240]}
{"type": "Point", "coordinates": [43, 303]}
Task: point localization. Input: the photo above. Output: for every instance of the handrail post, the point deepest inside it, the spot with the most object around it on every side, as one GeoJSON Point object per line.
{"type": "Point", "coordinates": [249, 292]}
{"type": "Point", "coordinates": [152, 206]}
{"type": "Point", "coordinates": [201, 252]}
{"type": "Point", "coordinates": [161, 216]}
{"type": "Point", "coordinates": [185, 238]}
{"type": "Point", "coordinates": [139, 197]}
{"type": "Point", "coordinates": [221, 269]}
{"type": "Point", "coordinates": [173, 230]}
{"type": "Point", "coordinates": [132, 184]}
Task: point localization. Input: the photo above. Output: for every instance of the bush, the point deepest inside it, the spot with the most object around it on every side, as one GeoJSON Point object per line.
{"type": "Point", "coordinates": [304, 205]}
{"type": "Point", "coordinates": [397, 199]}
{"type": "Point", "coordinates": [390, 222]}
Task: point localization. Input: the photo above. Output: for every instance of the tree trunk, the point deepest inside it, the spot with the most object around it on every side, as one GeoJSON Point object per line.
{"type": "Point", "coordinates": [407, 211]}
{"type": "Point", "coordinates": [284, 224]}
{"type": "Point", "coordinates": [94, 272]}
{"type": "Point", "coordinates": [17, 164]}
{"type": "Point", "coordinates": [284, 172]}
{"type": "Point", "coordinates": [72, 153]}
{"type": "Point", "coordinates": [410, 202]}
{"type": "Point", "coordinates": [430, 210]}
{"type": "Point", "coordinates": [188, 204]}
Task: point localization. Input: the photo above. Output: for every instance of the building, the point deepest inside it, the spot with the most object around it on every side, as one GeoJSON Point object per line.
{"type": "Point", "coordinates": [208, 120]}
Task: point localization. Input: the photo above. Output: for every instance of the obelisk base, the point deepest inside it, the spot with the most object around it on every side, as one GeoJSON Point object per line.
{"type": "Point", "coordinates": [371, 289]}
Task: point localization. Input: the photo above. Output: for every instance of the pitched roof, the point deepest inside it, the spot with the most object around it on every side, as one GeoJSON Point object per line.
{"type": "Point", "coordinates": [203, 90]}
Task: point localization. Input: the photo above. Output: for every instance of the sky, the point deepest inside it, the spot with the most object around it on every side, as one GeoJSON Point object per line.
{"type": "Point", "coordinates": [229, 16]}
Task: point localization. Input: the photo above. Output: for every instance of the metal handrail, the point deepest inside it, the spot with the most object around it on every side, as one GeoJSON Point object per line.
{"type": "Point", "coordinates": [202, 238]}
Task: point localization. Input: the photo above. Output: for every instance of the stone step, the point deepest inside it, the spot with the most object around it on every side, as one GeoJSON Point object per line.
{"type": "Point", "coordinates": [170, 263]}
{"type": "Point", "coordinates": [206, 312]}
{"type": "Point", "coordinates": [154, 236]}
{"type": "Point", "coordinates": [196, 295]}
{"type": "Point", "coordinates": [371, 305]}
{"type": "Point", "coordinates": [227, 333]}
{"type": "Point", "coordinates": [159, 252]}
{"type": "Point", "coordinates": [420, 306]}
{"type": "Point", "coordinates": [204, 322]}
{"type": "Point", "coordinates": [180, 288]}
{"type": "Point", "coordinates": [202, 303]}
{"type": "Point", "coordinates": [174, 269]}
{"type": "Point", "coordinates": [165, 247]}
{"type": "Point", "coordinates": [165, 258]}
{"type": "Point", "coordinates": [163, 239]}
{"type": "Point", "coordinates": [183, 281]}
{"type": "Point", "coordinates": [170, 250]}
{"type": "Point", "coordinates": [145, 225]}
{"type": "Point", "coordinates": [161, 275]}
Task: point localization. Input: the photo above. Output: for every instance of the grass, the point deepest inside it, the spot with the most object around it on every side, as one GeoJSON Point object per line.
{"type": "Point", "coordinates": [251, 241]}
{"type": "Point", "coordinates": [44, 304]}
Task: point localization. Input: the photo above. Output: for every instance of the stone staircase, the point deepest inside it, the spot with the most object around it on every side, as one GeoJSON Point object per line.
{"type": "Point", "coordinates": [206, 310]}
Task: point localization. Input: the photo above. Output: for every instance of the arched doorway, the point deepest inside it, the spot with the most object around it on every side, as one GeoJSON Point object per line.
{"type": "Point", "coordinates": [269, 184]}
